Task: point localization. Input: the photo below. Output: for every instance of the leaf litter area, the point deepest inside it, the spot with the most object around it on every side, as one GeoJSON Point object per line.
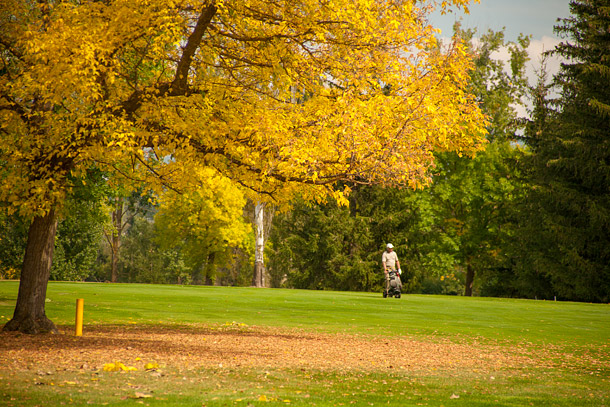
{"type": "Point", "coordinates": [201, 360]}
{"type": "Point", "coordinates": [235, 345]}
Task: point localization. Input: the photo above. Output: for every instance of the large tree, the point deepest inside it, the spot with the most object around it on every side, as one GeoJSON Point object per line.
{"type": "Point", "coordinates": [154, 88]}
{"type": "Point", "coordinates": [204, 225]}
{"type": "Point", "coordinates": [570, 197]}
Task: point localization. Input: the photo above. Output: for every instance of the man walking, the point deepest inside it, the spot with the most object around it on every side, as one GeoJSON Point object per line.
{"type": "Point", "coordinates": [390, 262]}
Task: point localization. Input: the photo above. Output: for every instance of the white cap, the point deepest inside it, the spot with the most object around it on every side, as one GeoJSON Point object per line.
{"type": "Point", "coordinates": [390, 246]}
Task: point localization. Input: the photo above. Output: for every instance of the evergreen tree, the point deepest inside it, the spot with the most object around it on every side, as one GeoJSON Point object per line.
{"type": "Point", "coordinates": [324, 247]}
{"type": "Point", "coordinates": [570, 198]}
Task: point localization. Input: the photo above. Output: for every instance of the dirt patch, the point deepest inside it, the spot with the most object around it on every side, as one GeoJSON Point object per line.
{"type": "Point", "coordinates": [247, 347]}
{"type": "Point", "coordinates": [238, 346]}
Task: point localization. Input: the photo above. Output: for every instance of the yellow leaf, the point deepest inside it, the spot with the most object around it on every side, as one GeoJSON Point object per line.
{"type": "Point", "coordinates": [118, 366]}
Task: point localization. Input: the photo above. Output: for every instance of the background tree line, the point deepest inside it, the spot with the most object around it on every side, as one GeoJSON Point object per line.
{"type": "Point", "coordinates": [527, 217]}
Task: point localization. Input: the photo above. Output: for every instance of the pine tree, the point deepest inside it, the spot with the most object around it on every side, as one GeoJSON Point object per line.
{"type": "Point", "coordinates": [571, 156]}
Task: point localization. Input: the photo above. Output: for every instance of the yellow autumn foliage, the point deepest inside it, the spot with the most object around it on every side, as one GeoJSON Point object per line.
{"type": "Point", "coordinates": [206, 220]}
{"type": "Point", "coordinates": [281, 97]}
{"type": "Point", "coordinates": [118, 367]}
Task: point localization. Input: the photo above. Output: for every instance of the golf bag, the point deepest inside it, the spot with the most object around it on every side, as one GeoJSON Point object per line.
{"type": "Point", "coordinates": [395, 285]}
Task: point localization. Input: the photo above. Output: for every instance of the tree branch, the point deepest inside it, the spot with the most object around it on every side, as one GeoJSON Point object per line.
{"type": "Point", "coordinates": [179, 84]}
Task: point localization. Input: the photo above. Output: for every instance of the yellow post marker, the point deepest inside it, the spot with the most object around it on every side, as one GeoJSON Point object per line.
{"type": "Point", "coordinates": [79, 316]}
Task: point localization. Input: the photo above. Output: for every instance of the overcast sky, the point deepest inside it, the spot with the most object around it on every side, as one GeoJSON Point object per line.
{"type": "Point", "coordinates": [530, 17]}
{"type": "Point", "coordinates": [535, 17]}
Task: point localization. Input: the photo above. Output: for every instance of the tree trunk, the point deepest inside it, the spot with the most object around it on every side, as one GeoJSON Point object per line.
{"type": "Point", "coordinates": [29, 316]}
{"type": "Point", "coordinates": [115, 241]}
{"type": "Point", "coordinates": [210, 270]}
{"type": "Point", "coordinates": [469, 280]}
{"type": "Point", "coordinates": [258, 279]}
{"type": "Point", "coordinates": [114, 275]}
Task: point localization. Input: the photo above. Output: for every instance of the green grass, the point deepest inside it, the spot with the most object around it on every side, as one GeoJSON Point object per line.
{"type": "Point", "coordinates": [299, 388]}
{"type": "Point", "coordinates": [492, 318]}
{"type": "Point", "coordinates": [574, 328]}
